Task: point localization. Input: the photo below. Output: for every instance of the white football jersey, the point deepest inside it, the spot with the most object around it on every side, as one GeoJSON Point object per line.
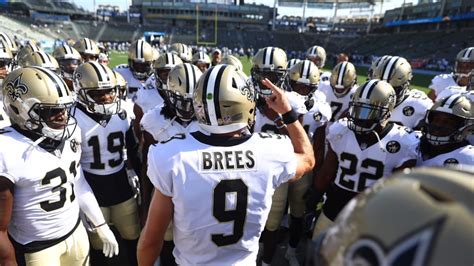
{"type": "Point", "coordinates": [163, 129]}
{"type": "Point", "coordinates": [127, 106]}
{"type": "Point", "coordinates": [133, 84]}
{"type": "Point", "coordinates": [148, 98]}
{"type": "Point", "coordinates": [441, 82]}
{"type": "Point", "coordinates": [338, 105]}
{"type": "Point", "coordinates": [102, 142]}
{"type": "Point", "coordinates": [222, 194]}
{"type": "Point", "coordinates": [318, 115]}
{"type": "Point", "coordinates": [412, 110]}
{"type": "Point", "coordinates": [360, 168]}
{"type": "Point", "coordinates": [324, 77]}
{"type": "Point", "coordinates": [451, 90]}
{"type": "Point", "coordinates": [44, 205]}
{"type": "Point", "coordinates": [461, 156]}
{"type": "Point", "coordinates": [4, 120]}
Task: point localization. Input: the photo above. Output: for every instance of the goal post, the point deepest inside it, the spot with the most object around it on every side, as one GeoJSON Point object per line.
{"type": "Point", "coordinates": [198, 32]}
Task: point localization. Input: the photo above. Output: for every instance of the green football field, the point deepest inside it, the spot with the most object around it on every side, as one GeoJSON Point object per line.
{"type": "Point", "coordinates": [419, 81]}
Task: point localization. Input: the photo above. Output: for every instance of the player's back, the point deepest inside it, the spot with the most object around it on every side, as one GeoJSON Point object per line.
{"type": "Point", "coordinates": [221, 190]}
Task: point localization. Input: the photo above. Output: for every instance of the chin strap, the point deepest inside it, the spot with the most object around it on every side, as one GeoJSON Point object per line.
{"type": "Point", "coordinates": [378, 140]}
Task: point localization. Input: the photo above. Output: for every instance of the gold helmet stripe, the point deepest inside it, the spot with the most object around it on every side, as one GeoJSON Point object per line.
{"type": "Point", "coordinates": [99, 70]}
{"type": "Point", "coordinates": [367, 89]}
{"type": "Point", "coordinates": [139, 51]}
{"type": "Point", "coordinates": [211, 94]}
{"type": "Point", "coordinates": [268, 56]}
{"type": "Point", "coordinates": [467, 53]}
{"type": "Point", "coordinates": [88, 44]}
{"type": "Point", "coordinates": [6, 39]}
{"type": "Point", "coordinates": [341, 73]}
{"type": "Point", "coordinates": [190, 78]}
{"type": "Point", "coordinates": [389, 68]}
{"type": "Point", "coordinates": [44, 58]}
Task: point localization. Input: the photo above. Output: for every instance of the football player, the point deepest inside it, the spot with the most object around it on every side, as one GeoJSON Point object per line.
{"type": "Point", "coordinates": [303, 80]}
{"type": "Point", "coordinates": [447, 125]}
{"type": "Point", "coordinates": [42, 186]}
{"type": "Point", "coordinates": [231, 172]}
{"type": "Point", "coordinates": [362, 148]}
{"type": "Point", "coordinates": [68, 59]}
{"type": "Point", "coordinates": [41, 59]}
{"type": "Point", "coordinates": [88, 49]}
{"type": "Point", "coordinates": [161, 124]}
{"type": "Point", "coordinates": [292, 62]}
{"type": "Point", "coordinates": [6, 60]}
{"type": "Point", "coordinates": [29, 48]}
{"type": "Point", "coordinates": [270, 63]}
{"type": "Point", "coordinates": [104, 127]}
{"type": "Point", "coordinates": [232, 60]}
{"type": "Point", "coordinates": [10, 43]}
{"type": "Point", "coordinates": [418, 217]}
{"type": "Point", "coordinates": [182, 51]}
{"type": "Point", "coordinates": [411, 105]}
{"type": "Point", "coordinates": [317, 55]}
{"type": "Point", "coordinates": [152, 94]}
{"type": "Point", "coordinates": [202, 61]}
{"type": "Point", "coordinates": [139, 67]}
{"type": "Point", "coordinates": [340, 89]}
{"type": "Point", "coordinates": [464, 63]}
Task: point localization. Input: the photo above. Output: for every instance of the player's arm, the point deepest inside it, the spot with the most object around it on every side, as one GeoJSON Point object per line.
{"type": "Point", "coordinates": [278, 101]}
{"type": "Point", "coordinates": [89, 206]}
{"type": "Point", "coordinates": [7, 252]}
{"type": "Point", "coordinates": [319, 138]}
{"type": "Point", "coordinates": [146, 185]}
{"type": "Point", "coordinates": [137, 110]}
{"type": "Point", "coordinates": [151, 238]}
{"type": "Point", "coordinates": [407, 164]}
{"type": "Point", "coordinates": [432, 95]}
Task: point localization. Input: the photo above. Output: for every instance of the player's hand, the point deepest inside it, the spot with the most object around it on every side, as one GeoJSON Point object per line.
{"type": "Point", "coordinates": [134, 183]}
{"type": "Point", "coordinates": [110, 247]}
{"type": "Point", "coordinates": [278, 100]}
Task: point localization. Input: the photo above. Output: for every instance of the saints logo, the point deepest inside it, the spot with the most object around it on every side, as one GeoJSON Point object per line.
{"type": "Point", "coordinates": [15, 88]}
{"type": "Point", "coordinates": [393, 146]}
{"type": "Point", "coordinates": [74, 145]}
{"type": "Point", "coordinates": [408, 111]}
{"type": "Point", "coordinates": [317, 116]}
{"type": "Point", "coordinates": [410, 250]}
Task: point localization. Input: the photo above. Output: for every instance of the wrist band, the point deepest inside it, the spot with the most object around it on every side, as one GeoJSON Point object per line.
{"type": "Point", "coordinates": [277, 119]}
{"type": "Point", "coordinates": [290, 117]}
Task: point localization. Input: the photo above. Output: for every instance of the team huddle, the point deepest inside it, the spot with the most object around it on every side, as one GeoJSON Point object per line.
{"type": "Point", "coordinates": [181, 158]}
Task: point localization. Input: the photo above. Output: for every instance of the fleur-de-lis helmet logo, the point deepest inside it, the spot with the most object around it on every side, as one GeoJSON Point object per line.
{"type": "Point", "coordinates": [15, 88]}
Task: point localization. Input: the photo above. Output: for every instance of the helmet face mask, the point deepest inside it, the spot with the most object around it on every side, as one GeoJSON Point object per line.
{"type": "Point", "coordinates": [97, 89]}
{"type": "Point", "coordinates": [182, 105]}
{"type": "Point", "coordinates": [364, 118]}
{"type": "Point", "coordinates": [180, 88]}
{"type": "Point", "coordinates": [55, 121]}
{"type": "Point", "coordinates": [463, 65]}
{"type": "Point", "coordinates": [343, 78]}
{"type": "Point", "coordinates": [68, 66]}
{"type": "Point", "coordinates": [141, 70]}
{"type": "Point", "coordinates": [371, 105]}
{"type": "Point", "coordinates": [277, 77]}
{"type": "Point", "coordinates": [103, 101]}
{"type": "Point", "coordinates": [270, 63]}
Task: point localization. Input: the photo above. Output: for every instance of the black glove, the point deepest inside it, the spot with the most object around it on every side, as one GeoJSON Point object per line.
{"type": "Point", "coordinates": [312, 197]}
